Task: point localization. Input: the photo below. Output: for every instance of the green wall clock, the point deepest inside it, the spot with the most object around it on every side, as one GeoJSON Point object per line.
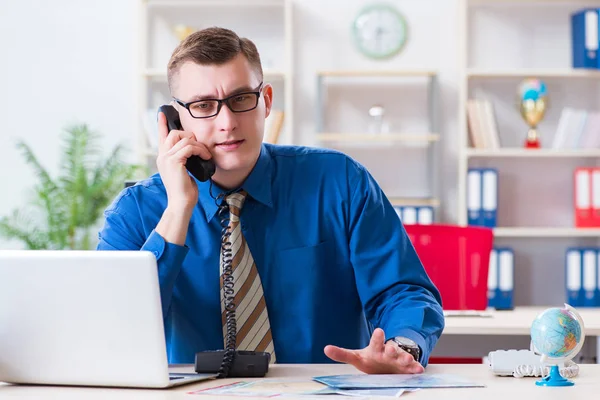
{"type": "Point", "coordinates": [379, 31]}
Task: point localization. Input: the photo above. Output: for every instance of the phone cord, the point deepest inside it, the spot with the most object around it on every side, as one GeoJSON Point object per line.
{"type": "Point", "coordinates": [228, 288]}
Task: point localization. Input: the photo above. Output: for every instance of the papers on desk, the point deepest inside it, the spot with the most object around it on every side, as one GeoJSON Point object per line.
{"type": "Point", "coordinates": [467, 313]}
{"type": "Point", "coordinates": [359, 386]}
{"type": "Point", "coordinates": [267, 387]}
{"type": "Point", "coordinates": [398, 381]}
{"type": "Point", "coordinates": [292, 387]}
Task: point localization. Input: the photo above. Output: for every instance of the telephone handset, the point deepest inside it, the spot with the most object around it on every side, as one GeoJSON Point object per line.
{"type": "Point", "coordinates": [200, 168]}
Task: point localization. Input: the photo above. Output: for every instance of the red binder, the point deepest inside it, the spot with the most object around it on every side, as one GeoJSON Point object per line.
{"type": "Point", "coordinates": [584, 217]}
{"type": "Point", "coordinates": [595, 196]}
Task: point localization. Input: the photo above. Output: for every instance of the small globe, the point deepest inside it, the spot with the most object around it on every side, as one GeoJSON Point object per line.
{"type": "Point", "coordinates": [558, 333]}
{"type": "Point", "coordinates": [532, 89]}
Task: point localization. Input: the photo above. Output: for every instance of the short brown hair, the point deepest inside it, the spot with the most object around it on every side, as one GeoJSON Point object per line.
{"type": "Point", "coordinates": [213, 46]}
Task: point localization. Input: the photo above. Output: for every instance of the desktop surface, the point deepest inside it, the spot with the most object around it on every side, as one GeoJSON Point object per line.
{"type": "Point", "coordinates": [586, 386]}
{"type": "Point", "coordinates": [513, 322]}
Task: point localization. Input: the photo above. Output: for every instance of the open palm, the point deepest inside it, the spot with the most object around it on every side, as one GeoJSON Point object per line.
{"type": "Point", "coordinates": [378, 357]}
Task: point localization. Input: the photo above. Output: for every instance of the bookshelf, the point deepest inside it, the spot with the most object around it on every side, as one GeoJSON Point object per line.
{"type": "Point", "coordinates": [422, 136]}
{"type": "Point", "coordinates": [535, 208]}
{"type": "Point", "coordinates": [524, 153]}
{"type": "Point", "coordinates": [474, 73]}
{"type": "Point", "coordinates": [271, 31]}
{"type": "Point", "coordinates": [542, 232]}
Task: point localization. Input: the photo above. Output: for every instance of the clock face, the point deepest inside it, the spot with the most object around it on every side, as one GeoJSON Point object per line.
{"type": "Point", "coordinates": [379, 31]}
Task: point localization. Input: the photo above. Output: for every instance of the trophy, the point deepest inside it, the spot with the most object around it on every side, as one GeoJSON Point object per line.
{"type": "Point", "coordinates": [377, 123]}
{"type": "Point", "coordinates": [533, 102]}
{"type": "Point", "coordinates": [183, 31]}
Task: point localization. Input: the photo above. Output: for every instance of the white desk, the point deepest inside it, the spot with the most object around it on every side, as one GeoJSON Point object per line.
{"type": "Point", "coordinates": [518, 322]}
{"type": "Point", "coordinates": [513, 322]}
{"type": "Point", "coordinates": [587, 385]}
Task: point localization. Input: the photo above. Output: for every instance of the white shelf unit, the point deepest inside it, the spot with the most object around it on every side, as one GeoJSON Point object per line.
{"type": "Point", "coordinates": [357, 137]}
{"type": "Point", "coordinates": [158, 40]}
{"type": "Point", "coordinates": [474, 73]}
{"type": "Point", "coordinates": [542, 232]}
{"type": "Point", "coordinates": [524, 153]}
{"type": "Point", "coordinates": [501, 43]}
{"type": "Point", "coordinates": [471, 75]}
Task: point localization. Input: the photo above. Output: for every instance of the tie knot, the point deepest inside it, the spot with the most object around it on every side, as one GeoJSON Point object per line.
{"type": "Point", "coordinates": [235, 201]}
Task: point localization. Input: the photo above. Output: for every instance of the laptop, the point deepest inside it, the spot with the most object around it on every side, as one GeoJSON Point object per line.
{"type": "Point", "coordinates": [84, 318]}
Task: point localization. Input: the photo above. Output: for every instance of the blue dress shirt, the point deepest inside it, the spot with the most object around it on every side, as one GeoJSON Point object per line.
{"type": "Point", "coordinates": [332, 254]}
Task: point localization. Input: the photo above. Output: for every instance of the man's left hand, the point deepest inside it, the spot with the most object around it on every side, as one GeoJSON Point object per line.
{"type": "Point", "coordinates": [378, 357]}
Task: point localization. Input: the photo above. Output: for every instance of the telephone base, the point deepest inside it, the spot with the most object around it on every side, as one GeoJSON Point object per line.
{"type": "Point", "coordinates": [246, 364]}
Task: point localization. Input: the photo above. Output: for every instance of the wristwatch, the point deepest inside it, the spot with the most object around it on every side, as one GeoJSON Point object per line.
{"type": "Point", "coordinates": [409, 346]}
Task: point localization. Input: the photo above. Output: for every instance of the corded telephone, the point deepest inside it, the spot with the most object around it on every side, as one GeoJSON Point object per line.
{"type": "Point", "coordinates": [200, 168]}
{"type": "Point", "coordinates": [228, 362]}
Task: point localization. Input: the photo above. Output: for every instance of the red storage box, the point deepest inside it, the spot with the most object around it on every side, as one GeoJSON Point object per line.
{"type": "Point", "coordinates": [457, 260]}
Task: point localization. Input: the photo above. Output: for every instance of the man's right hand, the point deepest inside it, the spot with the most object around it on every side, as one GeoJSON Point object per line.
{"type": "Point", "coordinates": [174, 149]}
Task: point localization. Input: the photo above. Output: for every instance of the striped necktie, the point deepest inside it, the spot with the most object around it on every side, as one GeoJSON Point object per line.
{"type": "Point", "coordinates": [253, 327]}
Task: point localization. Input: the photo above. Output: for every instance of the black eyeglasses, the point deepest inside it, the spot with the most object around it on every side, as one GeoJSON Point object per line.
{"type": "Point", "coordinates": [237, 103]}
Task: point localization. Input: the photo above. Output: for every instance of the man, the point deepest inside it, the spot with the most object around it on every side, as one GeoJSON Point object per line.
{"type": "Point", "coordinates": [322, 255]}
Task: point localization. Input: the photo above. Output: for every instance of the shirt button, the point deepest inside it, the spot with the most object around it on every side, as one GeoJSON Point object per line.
{"type": "Point", "coordinates": [155, 253]}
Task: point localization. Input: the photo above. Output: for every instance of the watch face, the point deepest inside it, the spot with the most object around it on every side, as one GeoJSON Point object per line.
{"type": "Point", "coordinates": [379, 31]}
{"type": "Point", "coordinates": [406, 342]}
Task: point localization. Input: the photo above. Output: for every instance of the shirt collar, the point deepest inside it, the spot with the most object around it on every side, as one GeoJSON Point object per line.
{"type": "Point", "coordinates": [257, 184]}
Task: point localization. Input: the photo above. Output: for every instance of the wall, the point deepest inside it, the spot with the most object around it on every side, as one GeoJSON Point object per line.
{"type": "Point", "coordinates": [63, 62]}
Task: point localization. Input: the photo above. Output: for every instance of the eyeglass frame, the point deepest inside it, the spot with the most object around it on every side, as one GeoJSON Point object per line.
{"type": "Point", "coordinates": [220, 102]}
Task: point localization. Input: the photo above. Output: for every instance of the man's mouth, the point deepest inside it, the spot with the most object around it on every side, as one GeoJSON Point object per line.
{"type": "Point", "coordinates": [230, 144]}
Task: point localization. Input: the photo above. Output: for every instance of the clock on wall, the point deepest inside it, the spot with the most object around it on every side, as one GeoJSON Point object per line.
{"type": "Point", "coordinates": [379, 31]}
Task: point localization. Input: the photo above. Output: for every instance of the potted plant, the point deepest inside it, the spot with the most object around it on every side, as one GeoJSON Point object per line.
{"type": "Point", "coordinates": [65, 209]}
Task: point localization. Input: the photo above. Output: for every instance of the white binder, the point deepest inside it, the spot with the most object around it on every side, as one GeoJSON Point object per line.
{"type": "Point", "coordinates": [409, 215]}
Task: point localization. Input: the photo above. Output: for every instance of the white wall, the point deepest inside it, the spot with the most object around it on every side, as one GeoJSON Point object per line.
{"type": "Point", "coordinates": [63, 62]}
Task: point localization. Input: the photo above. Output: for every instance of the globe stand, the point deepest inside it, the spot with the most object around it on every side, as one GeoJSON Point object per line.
{"type": "Point", "coordinates": [554, 378]}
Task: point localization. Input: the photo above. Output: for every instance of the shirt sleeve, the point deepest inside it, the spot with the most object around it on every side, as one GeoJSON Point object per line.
{"type": "Point", "coordinates": [396, 292]}
{"type": "Point", "coordinates": [121, 233]}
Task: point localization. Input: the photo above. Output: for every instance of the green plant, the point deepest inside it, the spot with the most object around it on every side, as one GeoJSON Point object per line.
{"type": "Point", "coordinates": [66, 208]}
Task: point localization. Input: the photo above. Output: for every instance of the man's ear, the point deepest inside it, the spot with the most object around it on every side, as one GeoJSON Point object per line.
{"type": "Point", "coordinates": [268, 96]}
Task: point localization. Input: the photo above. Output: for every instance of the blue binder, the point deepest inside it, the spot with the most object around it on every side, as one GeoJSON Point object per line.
{"type": "Point", "coordinates": [423, 215]}
{"type": "Point", "coordinates": [574, 277]}
{"type": "Point", "coordinates": [501, 278]}
{"type": "Point", "coordinates": [492, 284]}
{"type": "Point", "coordinates": [589, 283]}
{"type": "Point", "coordinates": [506, 281]}
{"type": "Point", "coordinates": [584, 36]}
{"type": "Point", "coordinates": [482, 197]}
{"type": "Point", "coordinates": [489, 196]}
{"type": "Point", "coordinates": [474, 190]}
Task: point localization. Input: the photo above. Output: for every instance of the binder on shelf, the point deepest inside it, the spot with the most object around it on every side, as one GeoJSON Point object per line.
{"type": "Point", "coordinates": [425, 215]}
{"type": "Point", "coordinates": [595, 196]}
{"type": "Point", "coordinates": [589, 257]}
{"type": "Point", "coordinates": [501, 278]}
{"type": "Point", "coordinates": [506, 281]}
{"type": "Point", "coordinates": [584, 36]}
{"type": "Point", "coordinates": [474, 210]}
{"type": "Point", "coordinates": [490, 197]}
{"type": "Point", "coordinates": [584, 191]}
{"type": "Point", "coordinates": [597, 291]}
{"type": "Point", "coordinates": [410, 215]}
{"type": "Point", "coordinates": [482, 197]}
{"type": "Point", "coordinates": [573, 277]}
{"type": "Point", "coordinates": [493, 278]}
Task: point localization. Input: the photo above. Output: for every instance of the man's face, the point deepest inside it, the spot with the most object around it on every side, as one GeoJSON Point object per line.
{"type": "Point", "coordinates": [234, 139]}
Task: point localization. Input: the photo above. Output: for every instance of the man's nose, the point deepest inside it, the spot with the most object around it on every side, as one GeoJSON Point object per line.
{"type": "Point", "coordinates": [226, 119]}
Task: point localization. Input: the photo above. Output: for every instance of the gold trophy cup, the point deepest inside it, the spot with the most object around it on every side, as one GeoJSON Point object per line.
{"type": "Point", "coordinates": [533, 102]}
{"type": "Point", "coordinates": [183, 31]}
{"type": "Point", "coordinates": [533, 112]}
